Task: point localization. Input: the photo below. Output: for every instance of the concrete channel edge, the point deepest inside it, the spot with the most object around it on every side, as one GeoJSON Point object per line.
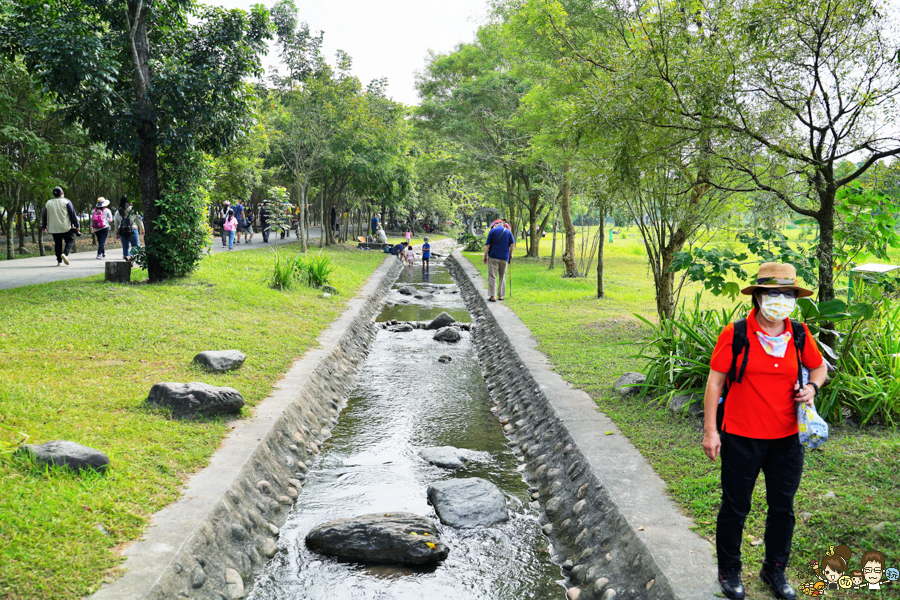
{"type": "Point", "coordinates": [213, 542]}
{"type": "Point", "coordinates": [601, 502]}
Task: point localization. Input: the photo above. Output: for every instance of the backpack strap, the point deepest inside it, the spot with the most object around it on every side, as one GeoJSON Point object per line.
{"type": "Point", "coordinates": [798, 331]}
{"type": "Point", "coordinates": [739, 343]}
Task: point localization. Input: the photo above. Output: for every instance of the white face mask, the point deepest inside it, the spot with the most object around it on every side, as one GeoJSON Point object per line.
{"type": "Point", "coordinates": [778, 308]}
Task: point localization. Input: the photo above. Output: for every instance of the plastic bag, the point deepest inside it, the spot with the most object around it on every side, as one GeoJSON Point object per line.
{"type": "Point", "coordinates": [813, 428]}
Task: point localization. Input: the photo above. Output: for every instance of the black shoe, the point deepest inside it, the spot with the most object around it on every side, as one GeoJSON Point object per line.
{"type": "Point", "coordinates": [773, 574]}
{"type": "Point", "coordinates": [732, 586]}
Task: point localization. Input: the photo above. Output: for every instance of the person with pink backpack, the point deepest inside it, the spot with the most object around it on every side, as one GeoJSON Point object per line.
{"type": "Point", "coordinates": [230, 227]}
{"type": "Point", "coordinates": [101, 217]}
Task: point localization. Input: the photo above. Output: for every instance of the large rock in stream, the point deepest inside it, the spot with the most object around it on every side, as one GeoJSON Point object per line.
{"type": "Point", "coordinates": [446, 457]}
{"type": "Point", "coordinates": [441, 321]}
{"type": "Point", "coordinates": [448, 334]}
{"type": "Point", "coordinates": [399, 538]}
{"type": "Point", "coordinates": [195, 400]}
{"type": "Point", "coordinates": [471, 502]}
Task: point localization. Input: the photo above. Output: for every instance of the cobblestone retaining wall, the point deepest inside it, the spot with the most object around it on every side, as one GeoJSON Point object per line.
{"type": "Point", "coordinates": [599, 549]}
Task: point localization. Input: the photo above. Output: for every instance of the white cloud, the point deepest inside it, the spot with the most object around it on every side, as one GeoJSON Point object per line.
{"type": "Point", "coordinates": [388, 38]}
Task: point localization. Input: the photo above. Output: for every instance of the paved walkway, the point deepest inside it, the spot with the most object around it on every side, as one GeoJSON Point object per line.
{"type": "Point", "coordinates": [42, 269]}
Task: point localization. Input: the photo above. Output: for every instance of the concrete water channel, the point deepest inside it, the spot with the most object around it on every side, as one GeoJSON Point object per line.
{"type": "Point", "coordinates": [406, 400]}
{"type": "Point", "coordinates": [339, 435]}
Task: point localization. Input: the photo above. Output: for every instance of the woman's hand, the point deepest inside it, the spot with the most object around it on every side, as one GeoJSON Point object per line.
{"type": "Point", "coordinates": [807, 395]}
{"type": "Point", "coordinates": [712, 444]}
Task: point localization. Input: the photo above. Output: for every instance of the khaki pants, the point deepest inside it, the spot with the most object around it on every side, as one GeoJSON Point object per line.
{"type": "Point", "coordinates": [496, 268]}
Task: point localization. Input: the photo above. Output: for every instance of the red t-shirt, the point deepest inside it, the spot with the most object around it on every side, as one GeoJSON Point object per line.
{"type": "Point", "coordinates": [762, 406]}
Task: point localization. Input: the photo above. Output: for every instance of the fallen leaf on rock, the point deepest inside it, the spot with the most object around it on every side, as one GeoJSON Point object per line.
{"type": "Point", "coordinates": [609, 433]}
{"type": "Point", "coordinates": [429, 544]}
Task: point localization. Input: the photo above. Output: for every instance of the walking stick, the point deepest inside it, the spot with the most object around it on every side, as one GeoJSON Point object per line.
{"type": "Point", "coordinates": [509, 270]}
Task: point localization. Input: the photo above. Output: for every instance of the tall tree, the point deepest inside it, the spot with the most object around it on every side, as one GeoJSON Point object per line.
{"type": "Point", "coordinates": [145, 77]}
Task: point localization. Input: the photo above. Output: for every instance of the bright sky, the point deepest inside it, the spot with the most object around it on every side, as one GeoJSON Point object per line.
{"type": "Point", "coordinates": [389, 38]}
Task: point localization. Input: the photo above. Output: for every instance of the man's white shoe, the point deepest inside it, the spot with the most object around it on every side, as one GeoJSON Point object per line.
{"type": "Point", "coordinates": [65, 258]}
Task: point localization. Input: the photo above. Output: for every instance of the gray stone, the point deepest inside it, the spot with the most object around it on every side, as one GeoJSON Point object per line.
{"type": "Point", "coordinates": [220, 361]}
{"type": "Point", "coordinates": [445, 358]}
{"type": "Point", "coordinates": [446, 457]}
{"type": "Point", "coordinates": [195, 400]}
{"type": "Point", "coordinates": [269, 548]}
{"type": "Point", "coordinates": [627, 380]}
{"type": "Point", "coordinates": [401, 328]}
{"type": "Point", "coordinates": [689, 404]}
{"type": "Point", "coordinates": [441, 321]}
{"type": "Point", "coordinates": [198, 578]}
{"type": "Point", "coordinates": [407, 291]}
{"type": "Point", "coordinates": [234, 585]}
{"type": "Point", "coordinates": [69, 455]}
{"type": "Point", "coordinates": [829, 495]}
{"type": "Point", "coordinates": [330, 289]}
{"type": "Point", "coordinates": [447, 334]}
{"type": "Point", "coordinates": [384, 538]}
{"type": "Point", "coordinates": [471, 502]}
{"type": "Point", "coordinates": [22, 250]}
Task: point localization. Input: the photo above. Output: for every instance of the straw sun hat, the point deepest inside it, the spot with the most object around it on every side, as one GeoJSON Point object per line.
{"type": "Point", "coordinates": [102, 202]}
{"type": "Point", "coordinates": [777, 275]}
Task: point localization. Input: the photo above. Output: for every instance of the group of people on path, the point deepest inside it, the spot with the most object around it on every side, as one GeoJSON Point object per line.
{"type": "Point", "coordinates": [60, 220]}
{"type": "Point", "coordinates": [237, 221]}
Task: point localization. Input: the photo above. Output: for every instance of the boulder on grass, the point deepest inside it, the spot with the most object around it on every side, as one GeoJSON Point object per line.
{"type": "Point", "coordinates": [195, 400]}
{"type": "Point", "coordinates": [471, 502]}
{"type": "Point", "coordinates": [330, 289]}
{"type": "Point", "coordinates": [687, 404]}
{"type": "Point", "coordinates": [624, 385]}
{"type": "Point", "coordinates": [69, 455]}
{"type": "Point", "coordinates": [220, 361]}
{"type": "Point", "coordinates": [399, 538]}
{"type": "Point", "coordinates": [448, 334]}
{"type": "Point", "coordinates": [446, 457]}
{"type": "Point", "coordinates": [441, 321]}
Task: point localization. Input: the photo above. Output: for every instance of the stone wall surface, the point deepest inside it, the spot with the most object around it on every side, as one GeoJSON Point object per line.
{"type": "Point", "coordinates": [213, 542]}
{"type": "Point", "coordinates": [616, 532]}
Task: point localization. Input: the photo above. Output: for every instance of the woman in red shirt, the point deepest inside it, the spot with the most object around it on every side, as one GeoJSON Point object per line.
{"type": "Point", "coordinates": [759, 428]}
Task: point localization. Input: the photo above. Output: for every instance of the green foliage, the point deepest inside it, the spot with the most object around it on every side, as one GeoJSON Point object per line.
{"type": "Point", "coordinates": [678, 352]}
{"type": "Point", "coordinates": [182, 232]}
{"type": "Point", "coordinates": [313, 269]}
{"type": "Point", "coordinates": [284, 273]}
{"type": "Point", "coordinates": [713, 266]}
{"type": "Point", "coordinates": [471, 243]}
{"type": "Point", "coordinates": [11, 439]}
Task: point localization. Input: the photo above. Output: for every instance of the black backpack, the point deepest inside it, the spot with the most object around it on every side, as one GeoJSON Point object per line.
{"type": "Point", "coordinates": [741, 343]}
{"type": "Point", "coordinates": [125, 227]}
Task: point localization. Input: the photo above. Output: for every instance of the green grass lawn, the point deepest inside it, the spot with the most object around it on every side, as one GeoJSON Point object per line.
{"type": "Point", "coordinates": [591, 342]}
{"type": "Point", "coordinates": [79, 358]}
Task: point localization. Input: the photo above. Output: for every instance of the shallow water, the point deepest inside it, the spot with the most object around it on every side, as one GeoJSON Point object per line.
{"type": "Point", "coordinates": [405, 401]}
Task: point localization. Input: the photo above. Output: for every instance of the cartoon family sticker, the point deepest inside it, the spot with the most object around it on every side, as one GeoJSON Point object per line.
{"type": "Point", "coordinates": [834, 572]}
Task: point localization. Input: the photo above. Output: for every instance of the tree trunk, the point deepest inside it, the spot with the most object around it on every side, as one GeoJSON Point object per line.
{"type": "Point", "coordinates": [10, 216]}
{"type": "Point", "coordinates": [565, 209]}
{"type": "Point", "coordinates": [322, 219]}
{"type": "Point", "coordinates": [825, 257]}
{"type": "Point", "coordinates": [148, 169]}
{"type": "Point", "coordinates": [21, 226]}
{"type": "Point", "coordinates": [601, 232]}
{"type": "Point", "coordinates": [553, 247]}
{"type": "Point", "coordinates": [301, 221]}
{"type": "Point", "coordinates": [534, 244]}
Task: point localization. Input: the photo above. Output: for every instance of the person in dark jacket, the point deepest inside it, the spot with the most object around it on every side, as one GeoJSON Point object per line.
{"type": "Point", "coordinates": [264, 216]}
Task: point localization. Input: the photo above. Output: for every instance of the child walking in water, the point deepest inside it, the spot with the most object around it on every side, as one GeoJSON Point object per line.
{"type": "Point", "coordinates": [426, 254]}
{"type": "Point", "coordinates": [410, 255]}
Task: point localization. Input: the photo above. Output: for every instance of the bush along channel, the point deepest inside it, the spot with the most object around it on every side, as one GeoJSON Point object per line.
{"type": "Point", "coordinates": [600, 552]}
{"type": "Point", "coordinates": [214, 542]}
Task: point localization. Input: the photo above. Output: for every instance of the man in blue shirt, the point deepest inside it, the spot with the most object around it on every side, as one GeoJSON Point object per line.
{"type": "Point", "coordinates": [239, 215]}
{"type": "Point", "coordinates": [375, 221]}
{"type": "Point", "coordinates": [497, 253]}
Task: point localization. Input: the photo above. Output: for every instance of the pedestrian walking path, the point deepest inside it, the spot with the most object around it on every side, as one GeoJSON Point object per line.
{"type": "Point", "coordinates": [42, 269]}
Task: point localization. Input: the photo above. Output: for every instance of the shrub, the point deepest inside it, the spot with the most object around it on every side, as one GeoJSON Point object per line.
{"type": "Point", "coordinates": [471, 242]}
{"type": "Point", "coordinates": [310, 269]}
{"type": "Point", "coordinates": [679, 350]}
{"type": "Point", "coordinates": [283, 273]}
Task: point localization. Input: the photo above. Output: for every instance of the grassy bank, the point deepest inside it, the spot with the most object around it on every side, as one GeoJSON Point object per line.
{"type": "Point", "coordinates": [591, 342]}
{"type": "Point", "coordinates": [79, 357]}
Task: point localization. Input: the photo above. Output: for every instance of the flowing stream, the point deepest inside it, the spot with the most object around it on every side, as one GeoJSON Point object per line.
{"type": "Point", "coordinates": [406, 400]}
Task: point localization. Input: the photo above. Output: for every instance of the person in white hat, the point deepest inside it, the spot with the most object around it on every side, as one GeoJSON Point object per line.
{"type": "Point", "coordinates": [753, 424]}
{"type": "Point", "coordinates": [101, 217]}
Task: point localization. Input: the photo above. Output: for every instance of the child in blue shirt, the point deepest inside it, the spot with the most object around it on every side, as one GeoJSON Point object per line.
{"type": "Point", "coordinates": [426, 254]}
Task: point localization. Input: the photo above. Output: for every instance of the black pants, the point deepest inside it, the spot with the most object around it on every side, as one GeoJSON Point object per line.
{"type": "Point", "coordinates": [265, 232]}
{"type": "Point", "coordinates": [58, 239]}
{"type": "Point", "coordinates": [101, 234]}
{"type": "Point", "coordinates": [781, 461]}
